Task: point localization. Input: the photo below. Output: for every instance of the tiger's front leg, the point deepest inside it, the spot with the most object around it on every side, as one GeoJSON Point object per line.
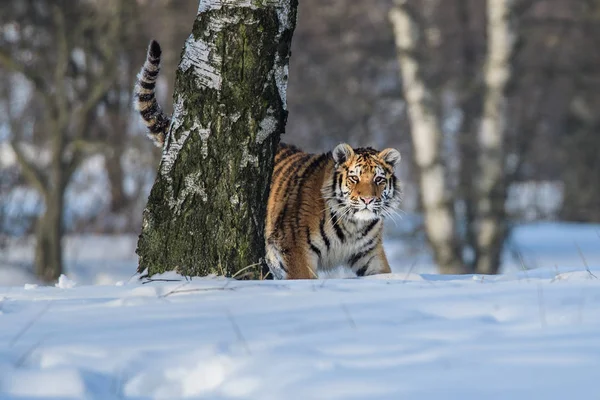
{"type": "Point", "coordinates": [373, 263]}
{"type": "Point", "coordinates": [301, 265]}
{"type": "Point", "coordinates": [294, 264]}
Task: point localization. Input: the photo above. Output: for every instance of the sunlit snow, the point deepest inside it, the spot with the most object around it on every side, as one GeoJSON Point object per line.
{"type": "Point", "coordinates": [525, 334]}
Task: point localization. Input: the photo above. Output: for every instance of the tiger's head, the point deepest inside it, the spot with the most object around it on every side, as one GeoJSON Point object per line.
{"type": "Point", "coordinates": [363, 185]}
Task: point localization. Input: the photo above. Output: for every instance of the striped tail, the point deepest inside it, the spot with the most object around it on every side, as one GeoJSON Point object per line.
{"type": "Point", "coordinates": [145, 97]}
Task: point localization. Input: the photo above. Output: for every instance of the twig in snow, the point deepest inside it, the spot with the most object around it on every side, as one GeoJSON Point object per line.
{"type": "Point", "coordinates": [213, 289]}
{"type": "Point", "coordinates": [557, 277]}
{"type": "Point", "coordinates": [244, 269]}
{"type": "Point", "coordinates": [264, 277]}
{"type": "Point", "coordinates": [143, 274]}
{"type": "Point", "coordinates": [222, 288]}
{"type": "Point", "coordinates": [348, 316]}
{"type": "Point", "coordinates": [316, 280]}
{"type": "Point", "coordinates": [4, 298]}
{"type": "Point", "coordinates": [587, 267]}
{"type": "Point", "coordinates": [523, 266]}
{"type": "Point", "coordinates": [322, 283]}
{"type": "Point", "coordinates": [19, 363]}
{"type": "Point", "coordinates": [412, 266]}
{"type": "Point", "coordinates": [238, 331]}
{"type": "Point", "coordinates": [174, 290]}
{"type": "Point", "coordinates": [134, 274]}
{"type": "Point", "coordinates": [150, 280]}
{"type": "Point", "coordinates": [28, 325]}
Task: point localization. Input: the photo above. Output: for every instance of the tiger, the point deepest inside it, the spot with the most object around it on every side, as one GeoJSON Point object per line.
{"type": "Point", "coordinates": [324, 210]}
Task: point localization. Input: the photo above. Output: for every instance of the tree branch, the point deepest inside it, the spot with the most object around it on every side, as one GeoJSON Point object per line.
{"type": "Point", "coordinates": [60, 71]}
{"type": "Point", "coordinates": [103, 81]}
{"type": "Point", "coordinates": [30, 171]}
{"type": "Point", "coordinates": [426, 132]}
{"type": "Point", "coordinates": [417, 27]}
{"type": "Point", "coordinates": [410, 12]}
{"type": "Point", "coordinates": [11, 64]}
{"type": "Point", "coordinates": [76, 160]}
{"type": "Point", "coordinates": [522, 7]}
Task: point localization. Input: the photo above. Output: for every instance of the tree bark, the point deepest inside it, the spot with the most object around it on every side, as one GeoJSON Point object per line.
{"type": "Point", "coordinates": [470, 95]}
{"type": "Point", "coordinates": [206, 210]}
{"type": "Point", "coordinates": [116, 178]}
{"type": "Point", "coordinates": [48, 250]}
{"type": "Point", "coordinates": [491, 191]}
{"type": "Point", "coordinates": [581, 146]}
{"type": "Point", "coordinates": [426, 136]}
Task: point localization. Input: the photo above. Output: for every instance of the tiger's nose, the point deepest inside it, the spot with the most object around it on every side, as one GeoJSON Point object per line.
{"type": "Point", "coordinates": [367, 200]}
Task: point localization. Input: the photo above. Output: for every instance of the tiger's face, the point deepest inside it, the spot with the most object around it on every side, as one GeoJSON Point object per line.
{"type": "Point", "coordinates": [363, 185]}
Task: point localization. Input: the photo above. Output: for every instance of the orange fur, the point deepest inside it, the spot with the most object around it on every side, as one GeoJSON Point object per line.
{"type": "Point", "coordinates": [324, 210]}
{"type": "Point", "coordinates": [316, 217]}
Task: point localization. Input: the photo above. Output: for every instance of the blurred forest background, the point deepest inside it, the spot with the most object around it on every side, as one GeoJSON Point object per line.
{"type": "Point", "coordinates": [74, 157]}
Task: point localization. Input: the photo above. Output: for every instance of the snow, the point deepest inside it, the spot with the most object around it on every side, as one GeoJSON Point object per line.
{"type": "Point", "coordinates": [63, 283]}
{"type": "Point", "coordinates": [529, 333]}
{"type": "Point", "coordinates": [89, 259]}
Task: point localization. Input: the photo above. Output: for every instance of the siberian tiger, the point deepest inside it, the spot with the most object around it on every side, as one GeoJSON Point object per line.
{"type": "Point", "coordinates": [324, 210]}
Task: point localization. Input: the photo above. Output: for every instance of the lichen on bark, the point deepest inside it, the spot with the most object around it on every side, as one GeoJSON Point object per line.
{"type": "Point", "coordinates": [205, 213]}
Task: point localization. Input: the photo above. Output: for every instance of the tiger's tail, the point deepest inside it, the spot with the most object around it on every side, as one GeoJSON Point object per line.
{"type": "Point", "coordinates": [144, 96]}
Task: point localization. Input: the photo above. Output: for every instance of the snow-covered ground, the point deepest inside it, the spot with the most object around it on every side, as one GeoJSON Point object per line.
{"type": "Point", "coordinates": [530, 333]}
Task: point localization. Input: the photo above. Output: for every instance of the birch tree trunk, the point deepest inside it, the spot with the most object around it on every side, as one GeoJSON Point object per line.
{"type": "Point", "coordinates": [206, 211]}
{"type": "Point", "coordinates": [491, 190]}
{"type": "Point", "coordinates": [426, 135]}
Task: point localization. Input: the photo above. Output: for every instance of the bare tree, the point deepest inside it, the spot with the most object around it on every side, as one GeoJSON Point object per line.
{"type": "Point", "coordinates": [491, 190]}
{"type": "Point", "coordinates": [70, 73]}
{"type": "Point", "coordinates": [483, 187]}
{"type": "Point", "coordinates": [206, 210]}
{"type": "Point", "coordinates": [426, 133]}
{"type": "Point", "coordinates": [346, 87]}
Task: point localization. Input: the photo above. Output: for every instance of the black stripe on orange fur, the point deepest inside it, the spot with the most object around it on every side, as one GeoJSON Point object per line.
{"type": "Point", "coordinates": [367, 248]}
{"type": "Point", "coordinates": [338, 230]}
{"type": "Point", "coordinates": [370, 227]}
{"type": "Point", "coordinates": [322, 231]}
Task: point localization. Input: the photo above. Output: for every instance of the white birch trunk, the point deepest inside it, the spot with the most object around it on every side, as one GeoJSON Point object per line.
{"type": "Point", "coordinates": [491, 190]}
{"type": "Point", "coordinates": [426, 137]}
{"type": "Point", "coordinates": [206, 210]}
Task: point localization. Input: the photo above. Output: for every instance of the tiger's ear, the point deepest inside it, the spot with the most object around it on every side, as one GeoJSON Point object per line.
{"type": "Point", "coordinates": [390, 156]}
{"type": "Point", "coordinates": [342, 152]}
